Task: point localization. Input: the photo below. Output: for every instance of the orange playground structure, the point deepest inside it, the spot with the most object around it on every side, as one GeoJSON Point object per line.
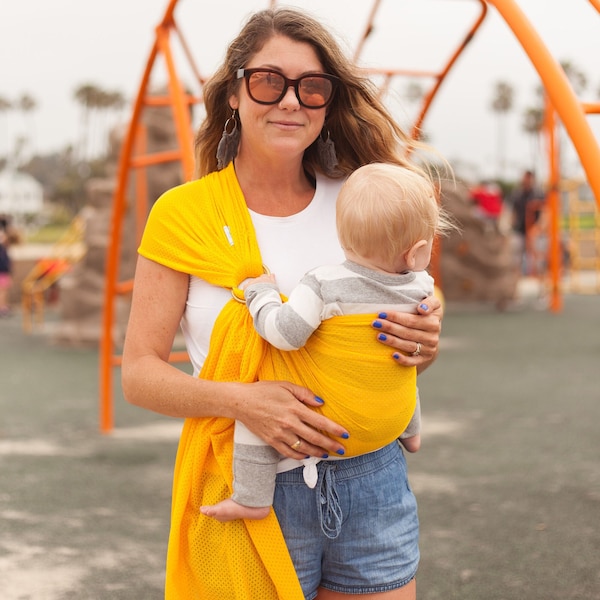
{"type": "Point", "coordinates": [561, 104]}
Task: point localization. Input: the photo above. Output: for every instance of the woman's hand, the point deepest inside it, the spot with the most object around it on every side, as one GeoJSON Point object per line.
{"type": "Point", "coordinates": [279, 413]}
{"type": "Point", "coordinates": [415, 337]}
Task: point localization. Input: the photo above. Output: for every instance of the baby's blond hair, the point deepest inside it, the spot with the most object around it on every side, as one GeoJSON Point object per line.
{"type": "Point", "coordinates": [384, 209]}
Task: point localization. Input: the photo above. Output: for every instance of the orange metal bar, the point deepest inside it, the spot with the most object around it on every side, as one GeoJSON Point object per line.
{"type": "Point", "coordinates": [559, 90]}
{"type": "Point", "coordinates": [156, 158]}
{"type": "Point", "coordinates": [181, 112]}
{"type": "Point", "coordinates": [591, 108]}
{"type": "Point", "coordinates": [428, 99]}
{"type": "Point", "coordinates": [166, 100]}
{"type": "Point", "coordinates": [553, 206]}
{"type": "Point", "coordinates": [124, 287]}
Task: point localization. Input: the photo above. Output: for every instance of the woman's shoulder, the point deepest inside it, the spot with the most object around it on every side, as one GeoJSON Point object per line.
{"type": "Point", "coordinates": [182, 193]}
{"type": "Point", "coordinates": [193, 195]}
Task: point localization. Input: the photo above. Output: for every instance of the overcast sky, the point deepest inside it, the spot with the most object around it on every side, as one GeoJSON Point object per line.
{"type": "Point", "coordinates": [50, 47]}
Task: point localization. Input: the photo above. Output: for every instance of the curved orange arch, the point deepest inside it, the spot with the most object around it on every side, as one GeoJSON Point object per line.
{"type": "Point", "coordinates": [560, 92]}
{"type": "Point", "coordinates": [134, 160]}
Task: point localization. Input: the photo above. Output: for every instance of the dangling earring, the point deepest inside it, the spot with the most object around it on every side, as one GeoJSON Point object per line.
{"type": "Point", "coordinates": [326, 151]}
{"type": "Point", "coordinates": [229, 142]}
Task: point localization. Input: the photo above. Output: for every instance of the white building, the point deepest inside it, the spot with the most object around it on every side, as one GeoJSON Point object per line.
{"type": "Point", "coordinates": [20, 194]}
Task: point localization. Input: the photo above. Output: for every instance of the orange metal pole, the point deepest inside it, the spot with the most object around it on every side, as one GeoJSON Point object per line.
{"type": "Point", "coordinates": [559, 90]}
{"type": "Point", "coordinates": [595, 4]}
{"type": "Point", "coordinates": [553, 206]}
{"type": "Point", "coordinates": [180, 103]}
{"type": "Point", "coordinates": [368, 29]}
{"type": "Point", "coordinates": [113, 255]}
{"type": "Point", "coordinates": [181, 109]}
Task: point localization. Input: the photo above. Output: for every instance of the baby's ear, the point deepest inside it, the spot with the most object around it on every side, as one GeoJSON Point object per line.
{"type": "Point", "coordinates": [411, 256]}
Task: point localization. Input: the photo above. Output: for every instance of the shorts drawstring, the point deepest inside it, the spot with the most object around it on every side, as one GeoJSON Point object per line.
{"type": "Point", "coordinates": [328, 502]}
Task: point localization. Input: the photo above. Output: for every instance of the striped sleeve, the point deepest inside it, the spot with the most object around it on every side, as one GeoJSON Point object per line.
{"type": "Point", "coordinates": [285, 325]}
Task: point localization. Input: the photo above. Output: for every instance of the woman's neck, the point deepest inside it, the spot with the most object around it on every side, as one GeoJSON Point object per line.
{"type": "Point", "coordinates": [274, 189]}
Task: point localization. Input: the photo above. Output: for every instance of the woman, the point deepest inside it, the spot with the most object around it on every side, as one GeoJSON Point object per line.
{"type": "Point", "coordinates": [266, 196]}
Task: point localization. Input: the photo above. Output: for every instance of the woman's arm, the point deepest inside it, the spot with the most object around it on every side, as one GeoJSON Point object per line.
{"type": "Point", "coordinates": [402, 331]}
{"type": "Point", "coordinates": [276, 411]}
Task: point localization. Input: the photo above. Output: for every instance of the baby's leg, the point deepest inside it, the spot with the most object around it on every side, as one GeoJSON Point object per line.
{"type": "Point", "coordinates": [254, 472]}
{"type": "Point", "coordinates": [412, 444]}
{"type": "Point", "coordinates": [229, 510]}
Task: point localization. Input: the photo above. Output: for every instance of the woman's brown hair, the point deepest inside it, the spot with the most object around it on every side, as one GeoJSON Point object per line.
{"type": "Point", "coordinates": [359, 124]}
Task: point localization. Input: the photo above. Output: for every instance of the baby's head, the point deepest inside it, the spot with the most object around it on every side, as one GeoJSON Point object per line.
{"type": "Point", "coordinates": [387, 217]}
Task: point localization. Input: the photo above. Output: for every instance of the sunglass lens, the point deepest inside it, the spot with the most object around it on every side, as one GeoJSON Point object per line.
{"type": "Point", "coordinates": [315, 91]}
{"type": "Point", "coordinates": [265, 87]}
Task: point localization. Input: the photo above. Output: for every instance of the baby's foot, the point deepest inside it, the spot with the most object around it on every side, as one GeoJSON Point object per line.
{"type": "Point", "coordinates": [229, 510]}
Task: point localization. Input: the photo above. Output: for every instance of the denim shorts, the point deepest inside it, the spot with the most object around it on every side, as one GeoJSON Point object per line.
{"type": "Point", "coordinates": [357, 531]}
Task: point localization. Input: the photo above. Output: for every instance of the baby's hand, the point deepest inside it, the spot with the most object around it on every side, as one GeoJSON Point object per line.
{"type": "Point", "coordinates": [265, 278]}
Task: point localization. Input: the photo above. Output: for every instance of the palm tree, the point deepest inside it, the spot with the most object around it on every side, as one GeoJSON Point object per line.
{"type": "Point", "coordinates": [95, 102]}
{"type": "Point", "coordinates": [27, 104]}
{"type": "Point", "coordinates": [577, 78]}
{"type": "Point", "coordinates": [533, 121]}
{"type": "Point", "coordinates": [414, 93]}
{"type": "Point", "coordinates": [5, 106]}
{"type": "Point", "coordinates": [87, 96]}
{"type": "Point", "coordinates": [502, 104]}
{"type": "Point", "coordinates": [112, 102]}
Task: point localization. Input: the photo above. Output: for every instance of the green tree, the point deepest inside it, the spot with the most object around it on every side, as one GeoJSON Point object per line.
{"type": "Point", "coordinates": [502, 104]}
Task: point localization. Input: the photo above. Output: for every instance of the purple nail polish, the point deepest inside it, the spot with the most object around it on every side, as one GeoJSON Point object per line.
{"type": "Point", "coordinates": [382, 337]}
{"type": "Point", "coordinates": [377, 324]}
{"type": "Point", "coordinates": [382, 315]}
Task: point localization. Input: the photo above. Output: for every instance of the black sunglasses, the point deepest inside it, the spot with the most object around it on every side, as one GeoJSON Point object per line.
{"type": "Point", "coordinates": [266, 86]}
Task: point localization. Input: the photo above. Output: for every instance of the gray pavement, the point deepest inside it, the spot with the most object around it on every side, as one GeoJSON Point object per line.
{"type": "Point", "coordinates": [508, 478]}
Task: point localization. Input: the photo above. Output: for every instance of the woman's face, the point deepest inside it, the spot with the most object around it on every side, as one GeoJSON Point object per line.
{"type": "Point", "coordinates": [284, 129]}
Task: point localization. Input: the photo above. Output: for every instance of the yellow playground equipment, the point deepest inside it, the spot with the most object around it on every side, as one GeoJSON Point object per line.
{"type": "Point", "coordinates": [562, 103]}
{"type": "Point", "coordinates": [67, 251]}
{"type": "Point", "coordinates": [582, 233]}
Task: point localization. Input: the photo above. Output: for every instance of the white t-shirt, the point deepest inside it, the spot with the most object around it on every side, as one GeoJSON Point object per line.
{"type": "Point", "coordinates": [289, 246]}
